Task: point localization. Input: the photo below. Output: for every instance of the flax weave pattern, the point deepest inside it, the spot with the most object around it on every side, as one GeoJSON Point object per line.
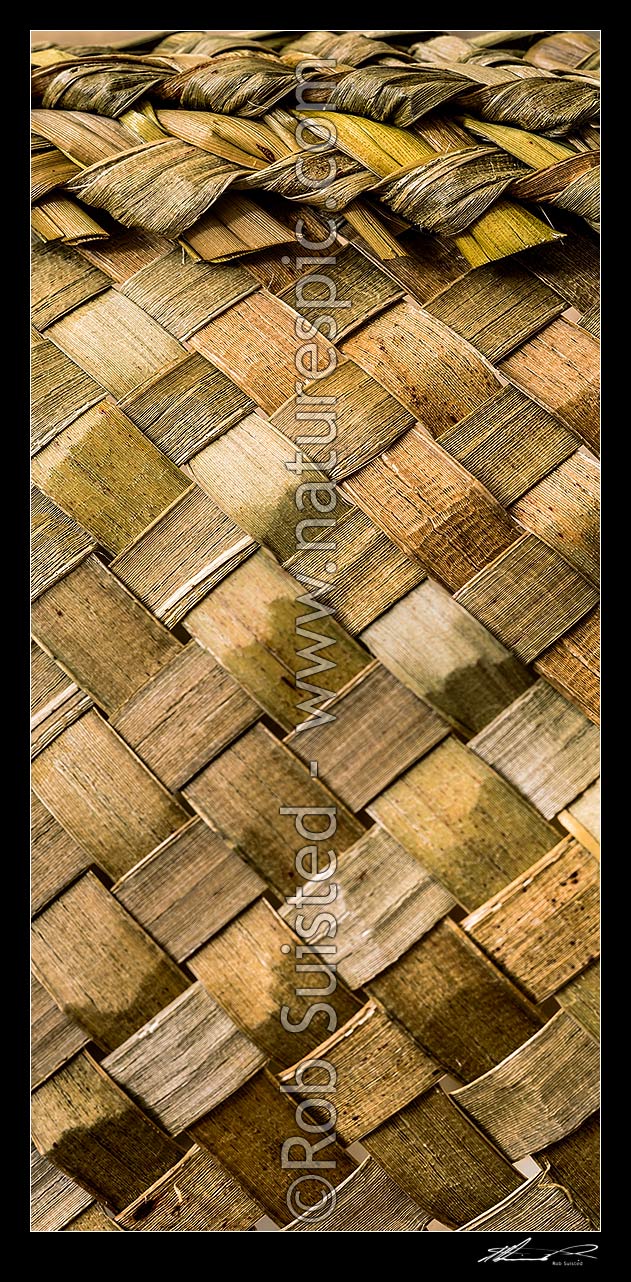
{"type": "Point", "coordinates": [453, 620]}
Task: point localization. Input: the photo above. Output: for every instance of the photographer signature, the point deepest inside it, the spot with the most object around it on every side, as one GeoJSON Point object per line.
{"type": "Point", "coordinates": [521, 1251]}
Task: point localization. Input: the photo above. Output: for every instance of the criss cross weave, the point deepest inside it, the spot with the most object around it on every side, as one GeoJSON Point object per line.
{"type": "Point", "coordinates": [315, 619]}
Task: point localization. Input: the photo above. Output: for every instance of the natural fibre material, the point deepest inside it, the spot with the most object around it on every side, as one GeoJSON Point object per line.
{"type": "Point", "coordinates": [315, 622]}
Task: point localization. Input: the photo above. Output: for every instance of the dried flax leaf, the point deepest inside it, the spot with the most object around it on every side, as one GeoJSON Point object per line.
{"type": "Point", "coordinates": [58, 218]}
{"type": "Point", "coordinates": [143, 122]}
{"type": "Point", "coordinates": [100, 634]}
{"type": "Point", "coordinates": [443, 134]}
{"type": "Point", "coordinates": [534, 150]}
{"type": "Point", "coordinates": [590, 320]}
{"type": "Point", "coordinates": [350, 47]}
{"type": "Point", "coordinates": [56, 1199]}
{"type": "Point", "coordinates": [236, 225]}
{"type": "Point", "coordinates": [492, 68]}
{"type": "Point", "coordinates": [185, 1061]}
{"type": "Point", "coordinates": [571, 267]}
{"type": "Point", "coordinates": [312, 180]}
{"type": "Point", "coordinates": [163, 186]}
{"type": "Point", "coordinates": [61, 280]}
{"type": "Point", "coordinates": [440, 1160]}
{"type": "Point", "coordinates": [141, 485]}
{"type": "Point", "coordinates": [256, 344]}
{"type": "Point", "coordinates": [266, 1116]}
{"type": "Point", "coordinates": [574, 1164]}
{"type": "Point", "coordinates": [433, 810]}
{"type": "Point", "coordinates": [544, 746]}
{"type": "Point", "coordinates": [562, 50]}
{"type": "Point", "coordinates": [355, 279]}
{"type": "Point", "coordinates": [385, 902]}
{"type": "Point", "coordinates": [510, 443]}
{"type": "Point", "coordinates": [587, 138]}
{"type": "Point", "coordinates": [57, 542]}
{"type": "Point", "coordinates": [369, 418]}
{"type": "Point", "coordinates": [563, 509]}
{"type": "Point", "coordinates": [38, 143]}
{"type": "Point", "coordinates": [60, 392]}
{"type": "Point", "coordinates": [471, 1016]}
{"type": "Point", "coordinates": [56, 702]}
{"type": "Point", "coordinates": [205, 42]}
{"type": "Point", "coordinates": [441, 653]}
{"type": "Point", "coordinates": [56, 860]}
{"type": "Point", "coordinates": [244, 471]}
{"type": "Point", "coordinates": [83, 136]}
{"type": "Point", "coordinates": [538, 1206]}
{"type": "Point", "coordinates": [99, 965]}
{"type": "Point", "coordinates": [378, 729]}
{"type": "Point", "coordinates": [196, 1196]}
{"type": "Point", "coordinates": [407, 493]}
{"type": "Point", "coordinates": [559, 368]}
{"type": "Point", "coordinates": [371, 572]}
{"type": "Point", "coordinates": [238, 794]}
{"type": "Point", "coordinates": [582, 818]}
{"type": "Point", "coordinates": [92, 1220]}
{"type": "Point", "coordinates": [364, 219]}
{"type": "Point", "coordinates": [367, 1202]}
{"type": "Point", "coordinates": [248, 623]}
{"type": "Point", "coordinates": [186, 714]}
{"type": "Point", "coordinates": [50, 169]}
{"type": "Point", "coordinates": [183, 296]}
{"type": "Point", "coordinates": [65, 707]}
{"type": "Point", "coordinates": [107, 84]}
{"type": "Point", "coordinates": [264, 980]}
{"type": "Point", "coordinates": [54, 1037]}
{"type": "Point", "coordinates": [430, 369]}
{"type": "Point", "coordinates": [126, 252]}
{"type": "Point", "coordinates": [497, 308]}
{"type": "Point", "coordinates": [451, 192]}
{"type": "Point", "coordinates": [572, 665]}
{"type": "Point", "coordinates": [186, 405]}
{"type": "Point", "coordinates": [245, 86]}
{"type": "Point", "coordinates": [550, 182]}
{"type": "Point", "coordinates": [49, 683]}
{"type": "Point", "coordinates": [540, 1093]}
{"type": "Point", "coordinates": [248, 143]}
{"type": "Point", "coordinates": [46, 55]}
{"type": "Point", "coordinates": [379, 1070]}
{"type": "Point", "coordinates": [542, 929]}
{"type": "Point", "coordinates": [188, 888]}
{"type": "Point", "coordinates": [528, 596]}
{"type": "Point", "coordinates": [379, 147]}
{"type": "Point", "coordinates": [182, 556]}
{"type": "Point", "coordinates": [505, 229]}
{"type": "Point", "coordinates": [581, 997]}
{"type": "Point", "coordinates": [94, 1132]}
{"type": "Point", "coordinates": [101, 794]}
{"type": "Point", "coordinates": [546, 105]}
{"type": "Point", "coordinates": [395, 95]}
{"type": "Point", "coordinates": [582, 197]}
{"type": "Point", "coordinates": [116, 342]}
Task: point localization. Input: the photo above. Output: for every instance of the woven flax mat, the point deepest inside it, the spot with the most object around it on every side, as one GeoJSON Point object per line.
{"type": "Point", "coordinates": [315, 631]}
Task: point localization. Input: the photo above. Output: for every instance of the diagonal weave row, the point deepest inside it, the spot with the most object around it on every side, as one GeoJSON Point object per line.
{"type": "Point", "coordinates": [205, 582]}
